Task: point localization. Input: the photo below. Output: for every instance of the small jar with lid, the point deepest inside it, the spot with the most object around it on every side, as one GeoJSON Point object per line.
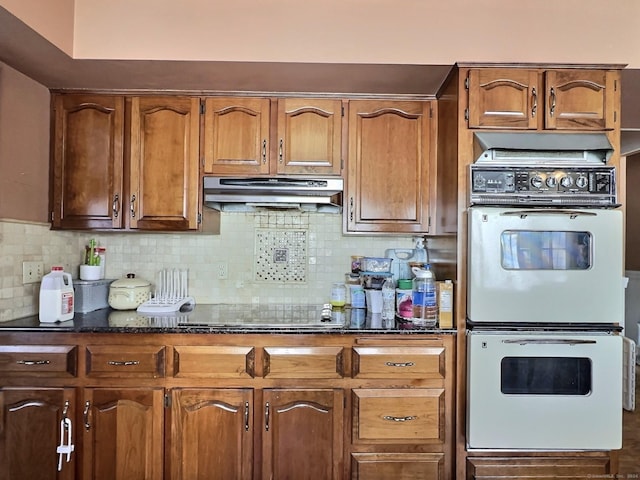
{"type": "Point", "coordinates": [338, 294]}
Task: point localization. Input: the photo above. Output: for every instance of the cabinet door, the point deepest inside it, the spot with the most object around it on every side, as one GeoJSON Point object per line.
{"type": "Point", "coordinates": [122, 434]}
{"type": "Point", "coordinates": [236, 136]}
{"type": "Point", "coordinates": [211, 434]}
{"type": "Point", "coordinates": [87, 161]}
{"type": "Point", "coordinates": [309, 136]}
{"type": "Point", "coordinates": [164, 169]}
{"type": "Point", "coordinates": [504, 98]}
{"type": "Point", "coordinates": [30, 423]}
{"type": "Point", "coordinates": [389, 184]}
{"type": "Point", "coordinates": [302, 434]}
{"type": "Point", "coordinates": [580, 99]}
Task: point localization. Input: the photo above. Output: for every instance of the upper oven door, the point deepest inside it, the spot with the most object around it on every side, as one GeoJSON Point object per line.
{"type": "Point", "coordinates": [545, 265]}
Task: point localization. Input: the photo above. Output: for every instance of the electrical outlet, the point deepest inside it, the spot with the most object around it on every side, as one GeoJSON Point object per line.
{"type": "Point", "coordinates": [32, 272]}
{"type": "Point", "coordinates": [223, 270]}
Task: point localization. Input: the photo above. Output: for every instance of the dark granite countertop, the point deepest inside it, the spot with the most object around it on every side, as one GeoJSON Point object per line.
{"type": "Point", "coordinates": [268, 319]}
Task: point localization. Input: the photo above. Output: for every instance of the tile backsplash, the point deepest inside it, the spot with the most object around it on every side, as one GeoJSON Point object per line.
{"type": "Point", "coordinates": [269, 257]}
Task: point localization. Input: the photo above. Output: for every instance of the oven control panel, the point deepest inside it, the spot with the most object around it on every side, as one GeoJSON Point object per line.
{"type": "Point", "coordinates": [503, 185]}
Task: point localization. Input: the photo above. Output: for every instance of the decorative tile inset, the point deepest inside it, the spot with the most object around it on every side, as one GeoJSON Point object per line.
{"type": "Point", "coordinates": [280, 255]}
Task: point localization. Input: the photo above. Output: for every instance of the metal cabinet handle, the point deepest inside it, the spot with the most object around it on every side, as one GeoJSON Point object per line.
{"type": "Point", "coordinates": [351, 209]}
{"type": "Point", "coordinates": [264, 151]}
{"type": "Point", "coordinates": [280, 151]}
{"type": "Point", "coordinates": [116, 205]}
{"type": "Point", "coordinates": [552, 101]}
{"type": "Point", "coordinates": [85, 415]}
{"type": "Point", "coordinates": [246, 416]}
{"type": "Point", "coordinates": [534, 102]}
{"type": "Point", "coordinates": [133, 208]}
{"type": "Point", "coordinates": [126, 363]}
{"type": "Point", "coordinates": [33, 362]}
{"type": "Point", "coordinates": [400, 419]}
{"type": "Point", "coordinates": [266, 417]}
{"type": "Point", "coordinates": [395, 364]}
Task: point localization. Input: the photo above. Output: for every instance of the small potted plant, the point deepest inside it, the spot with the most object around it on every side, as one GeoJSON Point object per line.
{"type": "Point", "coordinates": [91, 269]}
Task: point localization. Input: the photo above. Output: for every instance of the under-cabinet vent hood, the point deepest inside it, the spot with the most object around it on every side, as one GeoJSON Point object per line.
{"type": "Point", "coordinates": [542, 147]}
{"type": "Point", "coordinates": [248, 193]}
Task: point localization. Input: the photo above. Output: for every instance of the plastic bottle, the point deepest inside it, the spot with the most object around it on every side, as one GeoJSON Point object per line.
{"type": "Point", "coordinates": [424, 299]}
{"type": "Point", "coordinates": [388, 299]}
{"type": "Point", "coordinates": [56, 296]}
{"type": "Point", "coordinates": [338, 294]}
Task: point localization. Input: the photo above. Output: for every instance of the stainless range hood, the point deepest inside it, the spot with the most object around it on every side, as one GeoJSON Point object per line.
{"type": "Point", "coordinates": [541, 147]}
{"type": "Point", "coordinates": [248, 193]}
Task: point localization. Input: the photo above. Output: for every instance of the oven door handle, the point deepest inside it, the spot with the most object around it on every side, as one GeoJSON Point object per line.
{"type": "Point", "coordinates": [569, 213]}
{"type": "Point", "coordinates": [550, 341]}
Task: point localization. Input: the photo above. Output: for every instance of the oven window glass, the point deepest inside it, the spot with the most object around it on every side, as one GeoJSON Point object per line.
{"type": "Point", "coordinates": [545, 376]}
{"type": "Point", "coordinates": [545, 250]}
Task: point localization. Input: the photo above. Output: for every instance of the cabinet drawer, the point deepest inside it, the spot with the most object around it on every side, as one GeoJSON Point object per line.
{"type": "Point", "coordinates": [125, 361]}
{"type": "Point", "coordinates": [39, 360]}
{"type": "Point", "coordinates": [413, 415]}
{"type": "Point", "coordinates": [398, 362]}
{"type": "Point", "coordinates": [303, 362]}
{"type": "Point", "coordinates": [397, 466]}
{"type": "Point", "coordinates": [214, 362]}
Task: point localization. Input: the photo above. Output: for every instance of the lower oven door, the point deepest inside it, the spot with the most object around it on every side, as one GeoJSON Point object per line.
{"type": "Point", "coordinates": [544, 391]}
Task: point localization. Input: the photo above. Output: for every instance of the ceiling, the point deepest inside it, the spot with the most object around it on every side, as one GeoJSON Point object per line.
{"type": "Point", "coordinates": [31, 54]}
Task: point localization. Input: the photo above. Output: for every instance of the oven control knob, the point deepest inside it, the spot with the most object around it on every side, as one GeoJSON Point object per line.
{"type": "Point", "coordinates": [566, 182]}
{"type": "Point", "coordinates": [581, 181]}
{"type": "Point", "coordinates": [551, 182]}
{"type": "Point", "coordinates": [536, 181]}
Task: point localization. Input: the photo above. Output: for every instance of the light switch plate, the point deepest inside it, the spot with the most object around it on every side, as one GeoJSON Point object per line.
{"type": "Point", "coordinates": [32, 272]}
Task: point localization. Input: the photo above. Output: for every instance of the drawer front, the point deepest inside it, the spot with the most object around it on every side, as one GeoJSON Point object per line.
{"type": "Point", "coordinates": [214, 362]}
{"type": "Point", "coordinates": [125, 361]}
{"type": "Point", "coordinates": [39, 360]}
{"type": "Point", "coordinates": [398, 415]}
{"type": "Point", "coordinates": [399, 362]}
{"type": "Point", "coordinates": [397, 466]}
{"type": "Point", "coordinates": [303, 362]}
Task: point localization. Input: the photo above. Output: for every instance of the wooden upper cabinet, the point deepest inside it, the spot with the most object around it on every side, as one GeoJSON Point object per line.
{"type": "Point", "coordinates": [164, 163]}
{"type": "Point", "coordinates": [236, 136]}
{"type": "Point", "coordinates": [87, 162]}
{"type": "Point", "coordinates": [389, 167]}
{"type": "Point", "coordinates": [531, 99]}
{"type": "Point", "coordinates": [309, 139]}
{"type": "Point", "coordinates": [262, 136]}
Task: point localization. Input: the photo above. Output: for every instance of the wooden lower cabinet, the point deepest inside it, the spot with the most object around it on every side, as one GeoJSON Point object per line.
{"type": "Point", "coordinates": [534, 468]}
{"type": "Point", "coordinates": [122, 433]}
{"type": "Point", "coordinates": [30, 429]}
{"type": "Point", "coordinates": [212, 434]}
{"type": "Point", "coordinates": [397, 466]}
{"type": "Point", "coordinates": [302, 434]}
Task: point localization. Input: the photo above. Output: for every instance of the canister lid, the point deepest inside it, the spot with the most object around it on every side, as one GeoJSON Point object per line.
{"type": "Point", "coordinates": [404, 284]}
{"type": "Point", "coordinates": [130, 282]}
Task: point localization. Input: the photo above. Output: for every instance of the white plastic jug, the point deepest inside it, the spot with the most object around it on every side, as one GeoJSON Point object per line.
{"type": "Point", "coordinates": [56, 296]}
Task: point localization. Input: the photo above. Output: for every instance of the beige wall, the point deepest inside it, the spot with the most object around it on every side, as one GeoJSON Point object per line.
{"type": "Point", "coordinates": [24, 147]}
{"type": "Point", "coordinates": [354, 31]}
{"type": "Point", "coordinates": [53, 19]}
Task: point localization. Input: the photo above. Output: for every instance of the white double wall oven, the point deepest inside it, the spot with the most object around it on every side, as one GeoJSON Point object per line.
{"type": "Point", "coordinates": [545, 305]}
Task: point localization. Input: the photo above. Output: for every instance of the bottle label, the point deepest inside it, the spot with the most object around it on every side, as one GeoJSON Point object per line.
{"type": "Point", "coordinates": [67, 303]}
